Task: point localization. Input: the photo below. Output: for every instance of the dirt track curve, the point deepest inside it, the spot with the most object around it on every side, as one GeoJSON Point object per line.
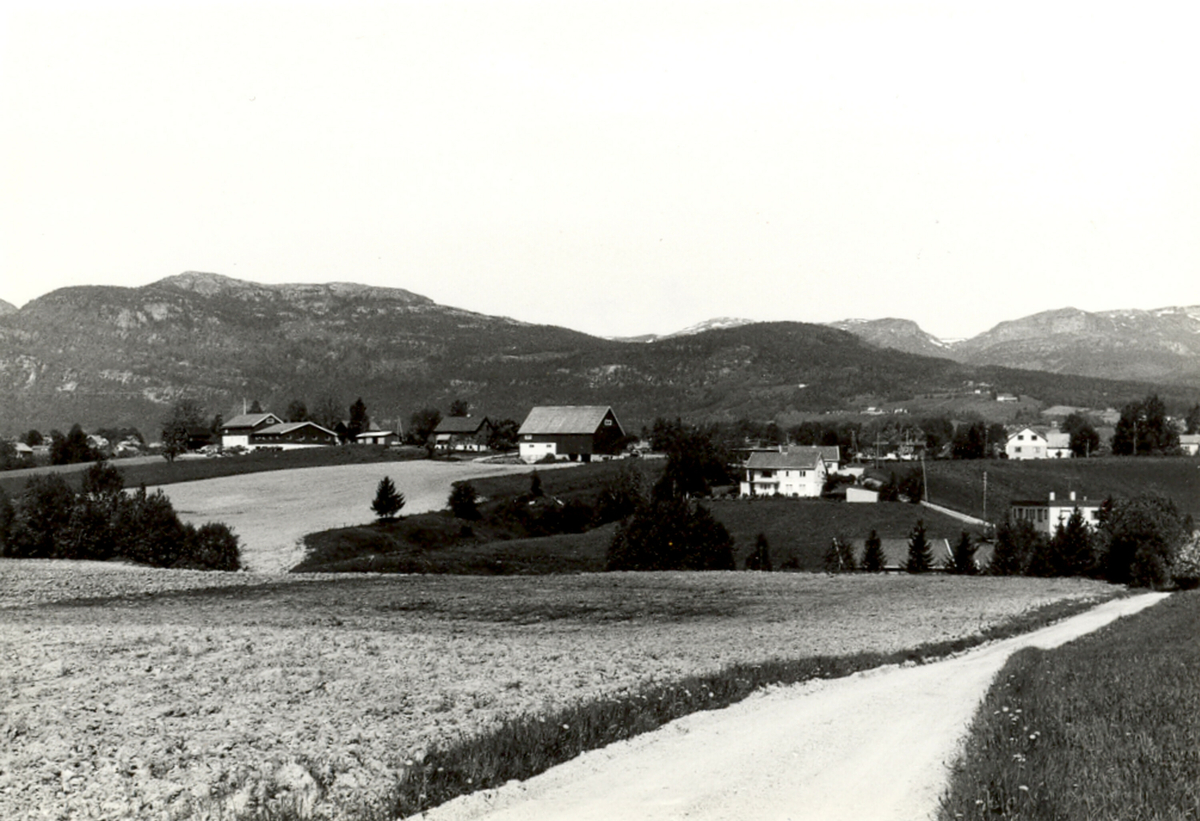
{"type": "Point", "coordinates": [874, 746]}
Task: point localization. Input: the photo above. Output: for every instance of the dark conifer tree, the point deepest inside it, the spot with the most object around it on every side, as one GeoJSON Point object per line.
{"type": "Point", "coordinates": [920, 554]}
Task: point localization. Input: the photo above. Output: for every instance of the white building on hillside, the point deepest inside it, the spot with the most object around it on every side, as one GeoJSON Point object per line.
{"type": "Point", "coordinates": [1038, 443]}
{"type": "Point", "coordinates": [790, 471]}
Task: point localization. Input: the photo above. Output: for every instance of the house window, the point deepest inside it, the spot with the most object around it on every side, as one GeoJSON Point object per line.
{"type": "Point", "coordinates": [529, 437]}
{"type": "Point", "coordinates": [767, 474]}
{"type": "Point", "coordinates": [608, 423]}
{"type": "Point", "coordinates": [1020, 437]}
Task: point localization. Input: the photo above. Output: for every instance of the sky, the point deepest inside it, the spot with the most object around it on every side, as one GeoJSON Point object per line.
{"type": "Point", "coordinates": [618, 168]}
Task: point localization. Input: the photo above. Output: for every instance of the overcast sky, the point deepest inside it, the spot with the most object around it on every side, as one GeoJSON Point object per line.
{"type": "Point", "coordinates": [618, 168]}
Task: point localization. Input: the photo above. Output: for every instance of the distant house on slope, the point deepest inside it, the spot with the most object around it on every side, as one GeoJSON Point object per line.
{"type": "Point", "coordinates": [463, 433]}
{"type": "Point", "coordinates": [292, 436]}
{"type": "Point", "coordinates": [377, 437]}
{"type": "Point", "coordinates": [1038, 443]}
{"type": "Point", "coordinates": [792, 470]}
{"type": "Point", "coordinates": [237, 431]}
{"type": "Point", "coordinates": [574, 432]}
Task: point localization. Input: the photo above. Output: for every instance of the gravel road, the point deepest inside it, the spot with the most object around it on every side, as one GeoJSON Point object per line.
{"type": "Point", "coordinates": [271, 512]}
{"type": "Point", "coordinates": [876, 745]}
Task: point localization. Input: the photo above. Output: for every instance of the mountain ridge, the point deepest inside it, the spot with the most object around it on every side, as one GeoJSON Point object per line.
{"type": "Point", "coordinates": [114, 355]}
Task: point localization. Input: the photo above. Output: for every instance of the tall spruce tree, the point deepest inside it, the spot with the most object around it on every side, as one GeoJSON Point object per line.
{"type": "Point", "coordinates": [873, 560]}
{"type": "Point", "coordinates": [920, 554]}
{"type": "Point", "coordinates": [962, 561]}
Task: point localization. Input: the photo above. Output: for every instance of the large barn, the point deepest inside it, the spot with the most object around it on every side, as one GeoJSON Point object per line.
{"type": "Point", "coordinates": [574, 432]}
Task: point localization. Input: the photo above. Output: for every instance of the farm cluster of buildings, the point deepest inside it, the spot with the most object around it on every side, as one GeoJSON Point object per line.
{"type": "Point", "coordinates": [561, 432]}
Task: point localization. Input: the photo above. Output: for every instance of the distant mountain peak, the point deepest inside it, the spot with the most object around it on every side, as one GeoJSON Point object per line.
{"type": "Point", "coordinates": [891, 332]}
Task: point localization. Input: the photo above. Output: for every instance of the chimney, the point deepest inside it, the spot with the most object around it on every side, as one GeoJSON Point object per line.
{"type": "Point", "coordinates": [1052, 495]}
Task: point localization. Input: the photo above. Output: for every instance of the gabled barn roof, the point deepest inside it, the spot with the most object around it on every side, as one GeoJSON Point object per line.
{"type": "Point", "coordinates": [288, 427]}
{"type": "Point", "coordinates": [460, 424]}
{"type": "Point", "coordinates": [566, 419]}
{"type": "Point", "coordinates": [250, 420]}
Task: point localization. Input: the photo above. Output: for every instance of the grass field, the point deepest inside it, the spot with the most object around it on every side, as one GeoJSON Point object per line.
{"type": "Point", "coordinates": [959, 484]}
{"type": "Point", "coordinates": [329, 691]}
{"type": "Point", "coordinates": [158, 471]}
{"type": "Point", "coordinates": [1105, 727]}
{"type": "Point", "coordinates": [797, 530]}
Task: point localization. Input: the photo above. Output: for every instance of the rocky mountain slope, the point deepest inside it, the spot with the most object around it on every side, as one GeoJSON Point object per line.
{"type": "Point", "coordinates": [1161, 345]}
{"type": "Point", "coordinates": [7, 308]}
{"type": "Point", "coordinates": [121, 356]}
{"type": "Point", "coordinates": [898, 334]}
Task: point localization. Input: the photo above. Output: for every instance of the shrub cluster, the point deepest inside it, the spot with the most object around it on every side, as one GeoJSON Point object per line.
{"type": "Point", "coordinates": [1141, 541]}
{"type": "Point", "coordinates": [101, 522]}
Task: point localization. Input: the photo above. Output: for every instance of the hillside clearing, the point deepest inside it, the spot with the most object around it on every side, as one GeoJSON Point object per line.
{"type": "Point", "coordinates": [322, 690]}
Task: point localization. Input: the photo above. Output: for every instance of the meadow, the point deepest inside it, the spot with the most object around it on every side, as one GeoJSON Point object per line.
{"type": "Point", "coordinates": [1105, 727]}
{"type": "Point", "coordinates": [217, 697]}
{"type": "Point", "coordinates": [959, 483]}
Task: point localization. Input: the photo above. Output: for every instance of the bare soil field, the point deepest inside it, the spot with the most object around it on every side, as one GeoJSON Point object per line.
{"type": "Point", "coordinates": [272, 511]}
{"type": "Point", "coordinates": [224, 693]}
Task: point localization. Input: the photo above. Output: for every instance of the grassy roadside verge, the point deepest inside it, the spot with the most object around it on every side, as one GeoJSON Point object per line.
{"type": "Point", "coordinates": [1104, 727]}
{"type": "Point", "coordinates": [525, 746]}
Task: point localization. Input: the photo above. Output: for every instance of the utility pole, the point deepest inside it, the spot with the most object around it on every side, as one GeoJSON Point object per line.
{"type": "Point", "coordinates": [985, 495]}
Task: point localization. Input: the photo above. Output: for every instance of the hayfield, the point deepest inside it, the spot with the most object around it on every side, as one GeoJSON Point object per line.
{"type": "Point", "coordinates": [959, 483]}
{"type": "Point", "coordinates": [320, 691]}
{"type": "Point", "coordinates": [272, 511]}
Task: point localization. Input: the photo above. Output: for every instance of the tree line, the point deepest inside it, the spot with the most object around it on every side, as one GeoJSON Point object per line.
{"type": "Point", "coordinates": [50, 520]}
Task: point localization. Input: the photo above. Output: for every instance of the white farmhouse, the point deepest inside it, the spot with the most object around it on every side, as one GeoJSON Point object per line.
{"type": "Point", "coordinates": [1049, 515]}
{"type": "Point", "coordinates": [789, 471]}
{"type": "Point", "coordinates": [1038, 443]}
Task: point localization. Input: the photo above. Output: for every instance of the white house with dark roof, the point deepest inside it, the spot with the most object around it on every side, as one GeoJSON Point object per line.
{"type": "Point", "coordinates": [574, 432]}
{"type": "Point", "coordinates": [793, 470]}
{"type": "Point", "coordinates": [1189, 443]}
{"type": "Point", "coordinates": [238, 430]}
{"type": "Point", "coordinates": [1050, 514]}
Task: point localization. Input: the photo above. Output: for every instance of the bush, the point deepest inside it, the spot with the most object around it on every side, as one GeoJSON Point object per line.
{"type": "Point", "coordinates": [42, 518]}
{"type": "Point", "coordinates": [671, 534]}
{"type": "Point", "coordinates": [760, 559]}
{"type": "Point", "coordinates": [1016, 545]}
{"type": "Point", "coordinates": [149, 531]}
{"type": "Point", "coordinates": [1143, 535]}
{"type": "Point", "coordinates": [212, 546]}
{"type": "Point", "coordinates": [464, 501]}
{"type": "Point", "coordinates": [839, 558]}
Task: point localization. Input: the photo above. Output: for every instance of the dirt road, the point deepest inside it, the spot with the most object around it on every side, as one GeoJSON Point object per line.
{"type": "Point", "coordinates": [272, 511]}
{"type": "Point", "coordinates": [872, 746]}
